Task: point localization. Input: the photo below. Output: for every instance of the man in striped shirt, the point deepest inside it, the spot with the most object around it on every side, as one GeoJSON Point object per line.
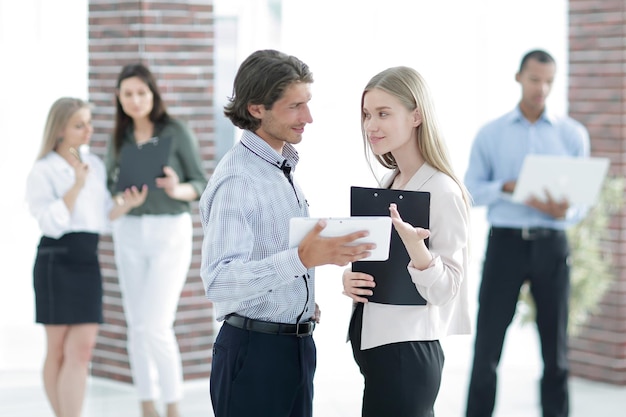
{"type": "Point", "coordinates": [264, 356]}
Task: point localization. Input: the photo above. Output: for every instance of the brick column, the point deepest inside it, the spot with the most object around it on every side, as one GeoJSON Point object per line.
{"type": "Point", "coordinates": [597, 95]}
{"type": "Point", "coordinates": [175, 40]}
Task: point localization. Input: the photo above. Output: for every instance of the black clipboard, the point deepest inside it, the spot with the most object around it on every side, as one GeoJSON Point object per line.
{"type": "Point", "coordinates": [393, 282]}
{"type": "Point", "coordinates": [142, 163]}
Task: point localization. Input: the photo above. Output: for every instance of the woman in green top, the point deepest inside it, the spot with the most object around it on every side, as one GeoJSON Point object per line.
{"type": "Point", "coordinates": [153, 242]}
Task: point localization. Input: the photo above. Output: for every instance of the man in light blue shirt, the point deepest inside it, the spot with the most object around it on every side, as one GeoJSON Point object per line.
{"type": "Point", "coordinates": [264, 356]}
{"type": "Point", "coordinates": [527, 242]}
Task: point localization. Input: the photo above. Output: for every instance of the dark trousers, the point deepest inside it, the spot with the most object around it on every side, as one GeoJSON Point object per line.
{"type": "Point", "coordinates": [258, 374]}
{"type": "Point", "coordinates": [401, 379]}
{"type": "Point", "coordinates": [510, 260]}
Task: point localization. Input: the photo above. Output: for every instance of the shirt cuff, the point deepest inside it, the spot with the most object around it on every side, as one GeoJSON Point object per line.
{"type": "Point", "coordinates": [57, 221]}
{"type": "Point", "coordinates": [428, 276]}
{"type": "Point", "coordinates": [289, 265]}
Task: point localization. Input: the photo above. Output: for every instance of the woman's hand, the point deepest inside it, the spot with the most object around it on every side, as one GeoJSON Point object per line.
{"type": "Point", "coordinates": [133, 197]}
{"type": "Point", "coordinates": [410, 235]}
{"type": "Point", "coordinates": [356, 285]}
{"type": "Point", "coordinates": [81, 170]}
{"type": "Point", "coordinates": [169, 182]}
{"type": "Point", "coordinates": [174, 188]}
{"type": "Point", "coordinates": [413, 239]}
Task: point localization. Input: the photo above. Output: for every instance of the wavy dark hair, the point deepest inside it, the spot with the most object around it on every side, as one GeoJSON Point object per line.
{"type": "Point", "coordinates": [122, 120]}
{"type": "Point", "coordinates": [262, 79]}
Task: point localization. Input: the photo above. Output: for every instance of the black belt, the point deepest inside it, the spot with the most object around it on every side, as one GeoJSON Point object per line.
{"type": "Point", "coordinates": [527, 233]}
{"type": "Point", "coordinates": [299, 330]}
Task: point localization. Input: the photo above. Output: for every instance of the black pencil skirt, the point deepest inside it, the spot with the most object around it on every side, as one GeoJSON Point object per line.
{"type": "Point", "coordinates": [67, 280]}
{"type": "Point", "coordinates": [401, 379]}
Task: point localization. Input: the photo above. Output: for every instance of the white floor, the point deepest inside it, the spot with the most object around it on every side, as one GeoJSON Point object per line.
{"type": "Point", "coordinates": [338, 383]}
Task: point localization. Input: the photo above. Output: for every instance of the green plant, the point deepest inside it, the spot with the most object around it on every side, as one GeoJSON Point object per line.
{"type": "Point", "coordinates": [591, 264]}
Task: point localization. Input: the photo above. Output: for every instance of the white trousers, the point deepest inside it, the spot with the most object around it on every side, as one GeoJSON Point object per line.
{"type": "Point", "coordinates": [153, 254]}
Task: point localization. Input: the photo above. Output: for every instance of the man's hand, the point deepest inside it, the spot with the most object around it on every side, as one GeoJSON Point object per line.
{"type": "Point", "coordinates": [556, 209]}
{"type": "Point", "coordinates": [509, 186]}
{"type": "Point", "coordinates": [315, 250]}
{"type": "Point", "coordinates": [318, 314]}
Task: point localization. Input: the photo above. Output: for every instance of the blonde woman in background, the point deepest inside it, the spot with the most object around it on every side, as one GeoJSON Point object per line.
{"type": "Point", "coordinates": [66, 193]}
{"type": "Point", "coordinates": [397, 346]}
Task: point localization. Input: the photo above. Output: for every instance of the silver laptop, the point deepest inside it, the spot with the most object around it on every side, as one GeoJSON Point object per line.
{"type": "Point", "coordinates": [579, 180]}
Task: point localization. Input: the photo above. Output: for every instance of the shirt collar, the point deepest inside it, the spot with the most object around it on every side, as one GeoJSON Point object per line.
{"type": "Point", "coordinates": [129, 134]}
{"type": "Point", "coordinates": [516, 116]}
{"type": "Point", "coordinates": [264, 151]}
{"type": "Point", "coordinates": [418, 179]}
{"type": "Point", "coordinates": [58, 162]}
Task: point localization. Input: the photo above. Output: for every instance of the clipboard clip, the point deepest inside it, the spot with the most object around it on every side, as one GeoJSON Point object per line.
{"type": "Point", "coordinates": [152, 141]}
{"type": "Point", "coordinates": [399, 197]}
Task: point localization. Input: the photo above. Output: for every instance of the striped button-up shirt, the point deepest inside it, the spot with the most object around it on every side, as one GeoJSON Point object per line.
{"type": "Point", "coordinates": [247, 265]}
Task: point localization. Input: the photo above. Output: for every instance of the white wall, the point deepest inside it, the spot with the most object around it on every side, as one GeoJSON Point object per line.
{"type": "Point", "coordinates": [43, 55]}
{"type": "Point", "coordinates": [468, 51]}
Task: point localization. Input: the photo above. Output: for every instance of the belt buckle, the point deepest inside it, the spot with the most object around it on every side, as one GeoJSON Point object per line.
{"type": "Point", "coordinates": [527, 234]}
{"type": "Point", "coordinates": [308, 332]}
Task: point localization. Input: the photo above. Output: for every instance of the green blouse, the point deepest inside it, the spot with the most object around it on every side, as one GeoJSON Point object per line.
{"type": "Point", "coordinates": [184, 158]}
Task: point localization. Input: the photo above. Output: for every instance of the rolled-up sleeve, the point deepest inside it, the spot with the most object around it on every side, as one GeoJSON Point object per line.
{"type": "Point", "coordinates": [441, 281]}
{"type": "Point", "coordinates": [49, 210]}
{"type": "Point", "coordinates": [191, 162]}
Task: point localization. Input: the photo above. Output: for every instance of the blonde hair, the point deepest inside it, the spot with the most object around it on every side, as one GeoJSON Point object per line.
{"type": "Point", "coordinates": [408, 86]}
{"type": "Point", "coordinates": [59, 115]}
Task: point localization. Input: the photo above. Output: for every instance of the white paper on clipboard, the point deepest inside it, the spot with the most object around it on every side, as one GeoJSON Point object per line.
{"type": "Point", "coordinates": [379, 228]}
{"type": "Point", "coordinates": [579, 180]}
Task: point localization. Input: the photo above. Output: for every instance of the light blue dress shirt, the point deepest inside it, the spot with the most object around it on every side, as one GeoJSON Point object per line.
{"type": "Point", "coordinates": [247, 266]}
{"type": "Point", "coordinates": [497, 156]}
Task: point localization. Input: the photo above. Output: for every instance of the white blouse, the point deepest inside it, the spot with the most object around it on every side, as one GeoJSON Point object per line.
{"type": "Point", "coordinates": [50, 179]}
{"type": "Point", "coordinates": [443, 284]}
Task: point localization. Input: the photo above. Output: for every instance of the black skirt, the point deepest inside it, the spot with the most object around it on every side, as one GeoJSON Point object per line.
{"type": "Point", "coordinates": [67, 280]}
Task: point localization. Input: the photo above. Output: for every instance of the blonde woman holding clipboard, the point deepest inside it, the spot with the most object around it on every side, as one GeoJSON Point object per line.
{"type": "Point", "coordinates": [153, 242]}
{"type": "Point", "coordinates": [397, 346]}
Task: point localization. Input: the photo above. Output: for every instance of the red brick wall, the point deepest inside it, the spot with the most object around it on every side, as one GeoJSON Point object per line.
{"type": "Point", "coordinates": [175, 39]}
{"type": "Point", "coordinates": [597, 96]}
